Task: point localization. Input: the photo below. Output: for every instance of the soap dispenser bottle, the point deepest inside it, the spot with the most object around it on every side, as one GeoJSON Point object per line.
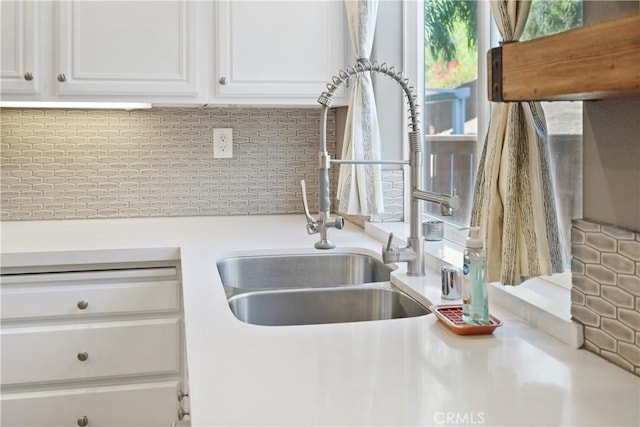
{"type": "Point", "coordinates": [475, 300]}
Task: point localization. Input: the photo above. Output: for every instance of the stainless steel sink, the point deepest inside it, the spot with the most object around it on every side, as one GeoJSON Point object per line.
{"type": "Point", "coordinates": [324, 305]}
{"type": "Point", "coordinates": [307, 289]}
{"type": "Point", "coordinates": [301, 271]}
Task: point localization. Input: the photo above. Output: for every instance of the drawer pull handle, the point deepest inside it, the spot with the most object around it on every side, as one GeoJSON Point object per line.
{"type": "Point", "coordinates": [62, 78]}
{"type": "Point", "coordinates": [182, 395]}
{"type": "Point", "coordinates": [28, 76]}
{"type": "Point", "coordinates": [82, 356]}
{"type": "Point", "coordinates": [83, 304]}
{"type": "Point", "coordinates": [182, 413]}
{"type": "Point", "coordinates": [83, 421]}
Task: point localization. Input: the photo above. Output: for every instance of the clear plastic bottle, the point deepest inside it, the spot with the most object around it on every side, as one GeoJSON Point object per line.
{"type": "Point", "coordinates": [475, 299]}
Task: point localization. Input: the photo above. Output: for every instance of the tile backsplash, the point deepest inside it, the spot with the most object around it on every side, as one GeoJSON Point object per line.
{"type": "Point", "coordinates": [62, 164]}
{"type": "Point", "coordinates": [73, 164]}
{"type": "Point", "coordinates": [605, 296]}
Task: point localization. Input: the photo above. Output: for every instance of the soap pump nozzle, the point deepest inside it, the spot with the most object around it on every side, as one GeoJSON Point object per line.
{"type": "Point", "coordinates": [474, 240]}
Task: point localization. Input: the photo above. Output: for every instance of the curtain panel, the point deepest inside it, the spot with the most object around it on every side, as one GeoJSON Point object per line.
{"type": "Point", "coordinates": [514, 203]}
{"type": "Point", "coordinates": [359, 189]}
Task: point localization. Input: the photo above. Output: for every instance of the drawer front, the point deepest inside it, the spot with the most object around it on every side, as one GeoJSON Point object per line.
{"type": "Point", "coordinates": [89, 293]}
{"type": "Point", "coordinates": [44, 354]}
{"type": "Point", "coordinates": [151, 404]}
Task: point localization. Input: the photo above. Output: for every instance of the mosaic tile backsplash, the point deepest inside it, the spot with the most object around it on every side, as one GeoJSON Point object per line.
{"type": "Point", "coordinates": [61, 164]}
{"type": "Point", "coordinates": [72, 164]}
{"type": "Point", "coordinates": [605, 296]}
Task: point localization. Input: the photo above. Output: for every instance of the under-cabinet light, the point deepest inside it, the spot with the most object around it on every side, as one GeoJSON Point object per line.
{"type": "Point", "coordinates": [77, 105]}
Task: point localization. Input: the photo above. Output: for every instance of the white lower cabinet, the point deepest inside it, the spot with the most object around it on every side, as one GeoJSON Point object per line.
{"type": "Point", "coordinates": [99, 347]}
{"type": "Point", "coordinates": [149, 404]}
{"type": "Point", "coordinates": [91, 351]}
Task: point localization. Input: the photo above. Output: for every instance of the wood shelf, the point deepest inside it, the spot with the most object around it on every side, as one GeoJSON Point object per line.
{"type": "Point", "coordinates": [593, 62]}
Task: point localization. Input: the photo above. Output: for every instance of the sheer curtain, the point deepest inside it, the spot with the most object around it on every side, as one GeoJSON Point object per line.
{"type": "Point", "coordinates": [359, 189]}
{"type": "Point", "coordinates": [513, 200]}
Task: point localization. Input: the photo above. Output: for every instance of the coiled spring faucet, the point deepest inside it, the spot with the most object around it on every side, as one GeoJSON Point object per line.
{"type": "Point", "coordinates": [413, 253]}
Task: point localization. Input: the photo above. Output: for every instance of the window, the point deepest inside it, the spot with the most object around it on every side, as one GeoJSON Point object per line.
{"type": "Point", "coordinates": [456, 36]}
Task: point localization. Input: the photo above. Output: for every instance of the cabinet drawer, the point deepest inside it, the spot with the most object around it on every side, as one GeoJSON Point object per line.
{"type": "Point", "coordinates": [150, 404]}
{"type": "Point", "coordinates": [31, 296]}
{"type": "Point", "coordinates": [43, 354]}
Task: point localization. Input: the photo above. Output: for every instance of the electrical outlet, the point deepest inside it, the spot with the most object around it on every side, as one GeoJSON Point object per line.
{"type": "Point", "coordinates": [223, 143]}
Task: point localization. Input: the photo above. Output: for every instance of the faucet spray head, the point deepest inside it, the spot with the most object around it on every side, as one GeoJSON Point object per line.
{"type": "Point", "coordinates": [445, 210]}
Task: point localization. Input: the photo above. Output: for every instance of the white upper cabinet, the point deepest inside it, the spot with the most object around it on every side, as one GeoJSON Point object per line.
{"type": "Point", "coordinates": [279, 51]}
{"type": "Point", "coordinates": [79, 50]}
{"type": "Point", "coordinates": [19, 72]}
{"type": "Point", "coordinates": [172, 51]}
{"type": "Point", "coordinates": [140, 49]}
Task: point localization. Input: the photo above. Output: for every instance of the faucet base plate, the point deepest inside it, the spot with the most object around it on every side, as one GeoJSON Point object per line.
{"type": "Point", "coordinates": [324, 244]}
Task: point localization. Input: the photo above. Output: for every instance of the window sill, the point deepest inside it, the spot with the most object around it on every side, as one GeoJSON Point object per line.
{"type": "Point", "coordinates": [538, 302]}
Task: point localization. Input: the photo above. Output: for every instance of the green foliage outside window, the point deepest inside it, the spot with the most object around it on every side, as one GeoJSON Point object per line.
{"type": "Point", "coordinates": [548, 17]}
{"type": "Point", "coordinates": [451, 35]}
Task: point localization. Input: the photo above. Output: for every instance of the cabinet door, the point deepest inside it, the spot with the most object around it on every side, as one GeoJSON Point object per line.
{"type": "Point", "coordinates": [127, 48]}
{"type": "Point", "coordinates": [150, 404]}
{"type": "Point", "coordinates": [19, 73]}
{"type": "Point", "coordinates": [280, 49]}
{"type": "Point", "coordinates": [90, 351]}
{"type": "Point", "coordinates": [85, 294]}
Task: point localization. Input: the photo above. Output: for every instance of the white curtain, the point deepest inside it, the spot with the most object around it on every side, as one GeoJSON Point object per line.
{"type": "Point", "coordinates": [359, 189]}
{"type": "Point", "coordinates": [513, 204]}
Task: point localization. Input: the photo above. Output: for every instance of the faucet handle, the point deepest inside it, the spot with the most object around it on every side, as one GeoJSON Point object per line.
{"type": "Point", "coordinates": [336, 222]}
{"type": "Point", "coordinates": [390, 252]}
{"type": "Point", "coordinates": [454, 202]}
{"type": "Point", "coordinates": [388, 247]}
{"type": "Point", "coordinates": [312, 224]}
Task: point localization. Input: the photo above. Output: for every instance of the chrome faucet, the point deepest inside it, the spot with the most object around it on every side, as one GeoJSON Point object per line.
{"type": "Point", "coordinates": [413, 253]}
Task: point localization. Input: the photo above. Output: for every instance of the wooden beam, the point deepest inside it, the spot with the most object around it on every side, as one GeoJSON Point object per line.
{"type": "Point", "coordinates": [593, 62]}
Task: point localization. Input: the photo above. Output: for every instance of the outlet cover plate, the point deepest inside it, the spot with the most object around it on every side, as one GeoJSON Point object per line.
{"type": "Point", "coordinates": [223, 143]}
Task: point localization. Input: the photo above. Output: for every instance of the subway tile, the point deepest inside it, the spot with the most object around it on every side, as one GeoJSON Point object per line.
{"type": "Point", "coordinates": [577, 297]}
{"type": "Point", "coordinates": [618, 263]}
{"type": "Point", "coordinates": [601, 274]}
{"type": "Point", "coordinates": [585, 285]}
{"type": "Point", "coordinates": [600, 306]}
{"type": "Point", "coordinates": [630, 249]}
{"type": "Point", "coordinates": [132, 151]}
{"type": "Point", "coordinates": [617, 359]}
{"type": "Point", "coordinates": [585, 254]}
{"type": "Point", "coordinates": [630, 352]}
{"type": "Point", "coordinates": [585, 316]}
{"type": "Point", "coordinates": [630, 318]}
{"type": "Point", "coordinates": [585, 225]}
{"type": "Point", "coordinates": [617, 296]}
{"type": "Point", "coordinates": [618, 233]}
{"type": "Point", "coordinates": [578, 236]}
{"type": "Point", "coordinates": [601, 242]}
{"type": "Point", "coordinates": [618, 330]}
{"type": "Point", "coordinates": [600, 338]}
{"type": "Point", "coordinates": [629, 283]}
{"type": "Point", "coordinates": [588, 345]}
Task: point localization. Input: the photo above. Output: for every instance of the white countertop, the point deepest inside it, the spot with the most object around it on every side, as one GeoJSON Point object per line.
{"type": "Point", "coordinates": [394, 372]}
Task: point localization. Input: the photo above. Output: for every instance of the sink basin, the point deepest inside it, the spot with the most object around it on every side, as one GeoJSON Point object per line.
{"type": "Point", "coordinates": [301, 271]}
{"type": "Point", "coordinates": [324, 305]}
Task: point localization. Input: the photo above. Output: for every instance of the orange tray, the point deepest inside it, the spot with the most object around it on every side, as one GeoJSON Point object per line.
{"type": "Point", "coordinates": [451, 316]}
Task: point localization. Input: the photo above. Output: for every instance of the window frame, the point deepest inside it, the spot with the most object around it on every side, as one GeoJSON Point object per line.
{"type": "Point", "coordinates": [413, 63]}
